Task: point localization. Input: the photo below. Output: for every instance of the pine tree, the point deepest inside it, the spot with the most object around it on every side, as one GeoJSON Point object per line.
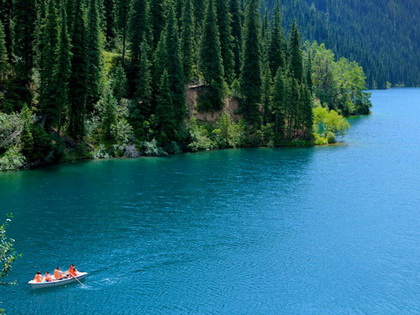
{"type": "Point", "coordinates": [24, 19]}
{"type": "Point", "coordinates": [160, 63]}
{"type": "Point", "coordinates": [250, 79]}
{"type": "Point", "coordinates": [109, 19]}
{"type": "Point", "coordinates": [119, 82]}
{"type": "Point", "coordinates": [6, 9]}
{"type": "Point", "coordinates": [143, 85]}
{"type": "Point", "coordinates": [49, 42]}
{"type": "Point", "coordinates": [123, 9]}
{"type": "Point", "coordinates": [165, 116]}
{"type": "Point", "coordinates": [175, 70]}
{"type": "Point", "coordinates": [109, 116]}
{"type": "Point", "coordinates": [266, 94]}
{"type": "Point", "coordinates": [4, 65]}
{"type": "Point", "coordinates": [200, 9]}
{"type": "Point", "coordinates": [278, 104]}
{"type": "Point", "coordinates": [179, 9]}
{"type": "Point", "coordinates": [139, 27]}
{"type": "Point", "coordinates": [62, 69]}
{"type": "Point", "coordinates": [295, 55]}
{"type": "Point", "coordinates": [158, 18]}
{"type": "Point", "coordinates": [224, 22]}
{"type": "Point", "coordinates": [78, 77]}
{"type": "Point", "coordinates": [306, 112]}
{"type": "Point", "coordinates": [210, 62]}
{"type": "Point", "coordinates": [236, 34]}
{"type": "Point", "coordinates": [276, 54]}
{"type": "Point", "coordinates": [189, 49]}
{"type": "Point", "coordinates": [94, 54]}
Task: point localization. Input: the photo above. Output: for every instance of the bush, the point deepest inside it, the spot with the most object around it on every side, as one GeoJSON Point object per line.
{"type": "Point", "coordinates": [12, 160]}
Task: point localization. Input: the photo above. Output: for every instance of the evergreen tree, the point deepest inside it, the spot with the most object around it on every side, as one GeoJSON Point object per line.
{"type": "Point", "coordinates": [278, 103]}
{"type": "Point", "coordinates": [94, 55]}
{"type": "Point", "coordinates": [4, 65]}
{"type": "Point", "coordinates": [123, 9]}
{"type": "Point", "coordinates": [160, 63]}
{"type": "Point", "coordinates": [165, 116]}
{"type": "Point", "coordinates": [143, 85]}
{"type": "Point", "coordinates": [306, 112]}
{"type": "Point", "coordinates": [250, 79]}
{"type": "Point", "coordinates": [200, 8]}
{"type": "Point", "coordinates": [6, 19]}
{"type": "Point", "coordinates": [109, 117]}
{"type": "Point", "coordinates": [295, 55]}
{"type": "Point", "coordinates": [78, 77]}
{"type": "Point", "coordinates": [139, 27]}
{"type": "Point", "coordinates": [276, 54]}
{"type": "Point", "coordinates": [158, 18]}
{"type": "Point", "coordinates": [224, 22]}
{"type": "Point", "coordinates": [236, 34]}
{"type": "Point", "coordinates": [174, 67]}
{"type": "Point", "coordinates": [62, 69]}
{"type": "Point", "coordinates": [119, 82]}
{"type": "Point", "coordinates": [210, 62]}
{"type": "Point", "coordinates": [24, 19]}
{"type": "Point", "coordinates": [49, 42]}
{"type": "Point", "coordinates": [266, 95]}
{"type": "Point", "coordinates": [189, 52]}
{"type": "Point", "coordinates": [109, 19]}
{"type": "Point", "coordinates": [179, 9]}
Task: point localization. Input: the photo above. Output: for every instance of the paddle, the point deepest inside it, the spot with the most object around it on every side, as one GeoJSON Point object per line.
{"type": "Point", "coordinates": [77, 280]}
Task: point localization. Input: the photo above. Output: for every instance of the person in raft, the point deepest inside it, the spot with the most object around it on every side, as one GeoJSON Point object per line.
{"type": "Point", "coordinates": [72, 272]}
{"type": "Point", "coordinates": [47, 277]}
{"type": "Point", "coordinates": [38, 277]}
{"type": "Point", "coordinates": [58, 274]}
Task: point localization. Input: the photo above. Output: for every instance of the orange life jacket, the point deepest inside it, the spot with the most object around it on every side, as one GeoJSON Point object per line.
{"type": "Point", "coordinates": [48, 278]}
{"type": "Point", "coordinates": [38, 278]}
{"type": "Point", "coordinates": [73, 272]}
{"type": "Point", "coordinates": [57, 274]}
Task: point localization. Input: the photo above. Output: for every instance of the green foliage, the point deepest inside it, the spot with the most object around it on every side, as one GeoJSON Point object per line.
{"type": "Point", "coordinates": [7, 253]}
{"type": "Point", "coordinates": [328, 125]}
{"type": "Point", "coordinates": [236, 25]}
{"type": "Point", "coordinates": [276, 50]}
{"type": "Point", "coordinates": [119, 83]}
{"type": "Point", "coordinates": [224, 22]}
{"type": "Point", "coordinates": [10, 161]}
{"type": "Point", "coordinates": [210, 61]}
{"type": "Point", "coordinates": [338, 84]}
{"type": "Point", "coordinates": [79, 76]}
{"type": "Point", "coordinates": [189, 49]}
{"type": "Point", "coordinates": [139, 27]}
{"type": "Point", "coordinates": [250, 78]}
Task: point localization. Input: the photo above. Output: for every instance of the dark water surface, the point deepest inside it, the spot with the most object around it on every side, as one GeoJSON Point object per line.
{"type": "Point", "coordinates": [331, 230]}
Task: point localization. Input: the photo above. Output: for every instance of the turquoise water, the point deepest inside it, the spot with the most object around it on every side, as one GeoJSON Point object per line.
{"type": "Point", "coordinates": [257, 231]}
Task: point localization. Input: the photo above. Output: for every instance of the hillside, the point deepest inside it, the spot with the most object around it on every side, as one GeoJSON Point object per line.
{"type": "Point", "coordinates": [382, 35]}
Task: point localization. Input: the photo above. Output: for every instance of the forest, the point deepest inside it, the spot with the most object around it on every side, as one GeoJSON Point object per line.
{"type": "Point", "coordinates": [382, 35]}
{"type": "Point", "coordinates": [112, 78]}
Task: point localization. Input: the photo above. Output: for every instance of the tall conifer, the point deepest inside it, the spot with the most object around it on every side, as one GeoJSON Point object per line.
{"type": "Point", "coordinates": [295, 54]}
{"type": "Point", "coordinates": [158, 18]}
{"type": "Point", "coordinates": [78, 77]}
{"type": "Point", "coordinates": [62, 69]}
{"type": "Point", "coordinates": [49, 42]}
{"type": "Point", "coordinates": [24, 19]}
{"type": "Point", "coordinates": [250, 79]}
{"type": "Point", "coordinates": [94, 53]}
{"type": "Point", "coordinates": [236, 34]}
{"type": "Point", "coordinates": [139, 27]}
{"type": "Point", "coordinates": [210, 62]}
{"type": "Point", "coordinates": [224, 22]}
{"type": "Point", "coordinates": [189, 49]}
{"type": "Point", "coordinates": [4, 65]}
{"type": "Point", "coordinates": [276, 54]}
{"type": "Point", "coordinates": [174, 67]}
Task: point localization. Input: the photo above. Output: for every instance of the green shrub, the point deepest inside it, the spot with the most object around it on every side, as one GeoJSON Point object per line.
{"type": "Point", "coordinates": [12, 160]}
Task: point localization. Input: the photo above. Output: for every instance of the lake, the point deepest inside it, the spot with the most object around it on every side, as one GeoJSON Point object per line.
{"type": "Point", "coordinates": [329, 230]}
